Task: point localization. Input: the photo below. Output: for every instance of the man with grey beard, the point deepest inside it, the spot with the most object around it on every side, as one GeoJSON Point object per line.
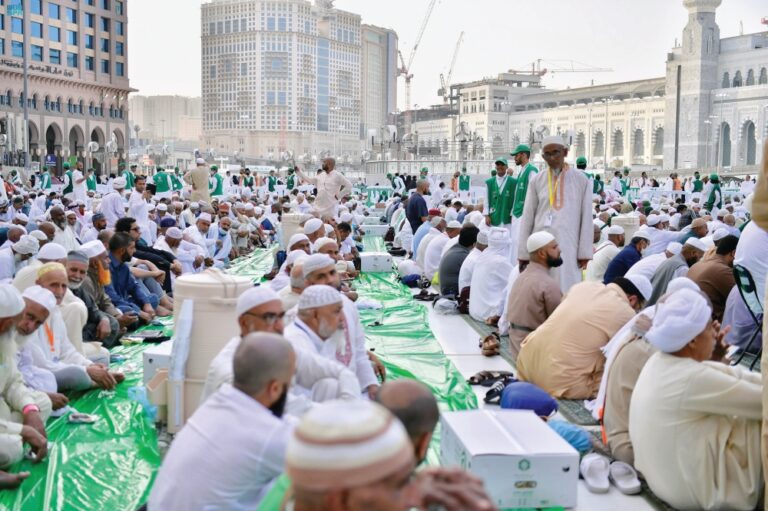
{"type": "Point", "coordinates": [99, 327]}
{"type": "Point", "coordinates": [23, 412]}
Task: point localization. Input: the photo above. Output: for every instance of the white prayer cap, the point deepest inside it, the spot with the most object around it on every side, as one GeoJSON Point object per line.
{"type": "Point", "coordinates": [296, 238]}
{"type": "Point", "coordinates": [653, 219]}
{"type": "Point", "coordinates": [301, 195]}
{"type": "Point", "coordinates": [722, 213]}
{"type": "Point", "coordinates": [408, 267]}
{"type": "Point", "coordinates": [254, 297]}
{"type": "Point", "coordinates": [328, 229]}
{"type": "Point", "coordinates": [52, 252]}
{"type": "Point", "coordinates": [674, 247]}
{"type": "Point", "coordinates": [42, 296]}
{"type": "Point", "coordinates": [679, 318]}
{"type": "Point", "coordinates": [174, 233]}
{"type": "Point", "coordinates": [604, 207]}
{"type": "Point", "coordinates": [664, 219]}
{"type": "Point", "coordinates": [70, 213]}
{"type": "Point", "coordinates": [498, 237]}
{"type": "Point", "coordinates": [538, 240]}
{"type": "Point", "coordinates": [194, 205]}
{"type": "Point", "coordinates": [243, 229]}
{"type": "Point", "coordinates": [317, 262]}
{"type": "Point", "coordinates": [26, 245]}
{"type": "Point", "coordinates": [642, 233]}
{"type": "Point", "coordinates": [696, 243]}
{"type": "Point", "coordinates": [317, 296]}
{"type": "Point", "coordinates": [151, 207]}
{"type": "Point", "coordinates": [11, 303]}
{"type": "Point", "coordinates": [200, 161]}
{"type": "Point", "coordinates": [295, 256]}
{"type": "Point", "coordinates": [598, 222]}
{"type": "Point", "coordinates": [346, 217]}
{"type": "Point", "coordinates": [162, 207]}
{"type": "Point", "coordinates": [312, 225]}
{"type": "Point", "coordinates": [720, 234]}
{"type": "Point", "coordinates": [320, 243]}
{"type": "Point", "coordinates": [21, 217]}
{"type": "Point", "coordinates": [615, 229]}
{"type": "Point", "coordinates": [454, 224]}
{"type": "Point", "coordinates": [39, 235]}
{"type": "Point", "coordinates": [482, 238]}
{"type": "Point", "coordinates": [93, 249]}
{"type": "Point", "coordinates": [206, 217]}
{"type": "Point", "coordinates": [642, 284]}
{"type": "Point", "coordinates": [250, 207]}
{"type": "Point", "coordinates": [436, 221]}
{"type": "Point", "coordinates": [346, 444]}
{"type": "Point", "coordinates": [681, 283]}
{"type": "Point", "coordinates": [119, 183]}
{"type": "Point", "coordinates": [552, 140]}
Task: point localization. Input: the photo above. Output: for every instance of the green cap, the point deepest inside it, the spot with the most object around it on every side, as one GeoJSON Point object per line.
{"type": "Point", "coordinates": [214, 167]}
{"type": "Point", "coordinates": [176, 169]}
{"type": "Point", "coordinates": [522, 148]}
{"type": "Point", "coordinates": [424, 170]}
{"type": "Point", "coordinates": [463, 169]}
{"type": "Point", "coordinates": [581, 160]}
{"type": "Point", "coordinates": [66, 165]}
{"type": "Point", "coordinates": [389, 174]}
{"type": "Point", "coordinates": [493, 172]}
{"type": "Point", "coordinates": [291, 170]}
{"type": "Point", "coordinates": [714, 177]}
{"type": "Point", "coordinates": [502, 160]}
{"type": "Point", "coordinates": [160, 169]}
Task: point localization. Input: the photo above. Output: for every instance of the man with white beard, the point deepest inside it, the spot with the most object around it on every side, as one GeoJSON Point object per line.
{"type": "Point", "coordinates": [198, 234]}
{"type": "Point", "coordinates": [191, 256]}
{"type": "Point", "coordinates": [23, 412]}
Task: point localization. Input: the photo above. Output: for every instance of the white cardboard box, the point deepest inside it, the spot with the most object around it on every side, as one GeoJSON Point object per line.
{"type": "Point", "coordinates": [521, 460]}
{"type": "Point", "coordinates": [375, 262]}
{"type": "Point", "coordinates": [157, 357]}
{"type": "Point", "coordinates": [372, 220]}
{"type": "Point", "coordinates": [375, 230]}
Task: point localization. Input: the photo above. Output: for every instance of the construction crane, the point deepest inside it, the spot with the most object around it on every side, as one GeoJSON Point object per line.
{"type": "Point", "coordinates": [405, 69]}
{"type": "Point", "coordinates": [445, 83]}
{"type": "Point", "coordinates": [561, 66]}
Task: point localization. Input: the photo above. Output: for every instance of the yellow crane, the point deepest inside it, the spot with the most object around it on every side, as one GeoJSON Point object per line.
{"type": "Point", "coordinates": [445, 83]}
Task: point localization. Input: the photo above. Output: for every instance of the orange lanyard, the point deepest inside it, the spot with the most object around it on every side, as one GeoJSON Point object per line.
{"type": "Point", "coordinates": [554, 203]}
{"type": "Point", "coordinates": [49, 333]}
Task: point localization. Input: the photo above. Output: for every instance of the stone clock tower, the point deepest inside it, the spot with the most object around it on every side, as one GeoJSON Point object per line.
{"type": "Point", "coordinates": [691, 78]}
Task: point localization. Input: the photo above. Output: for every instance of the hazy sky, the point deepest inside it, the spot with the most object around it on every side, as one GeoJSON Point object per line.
{"type": "Point", "coordinates": [630, 36]}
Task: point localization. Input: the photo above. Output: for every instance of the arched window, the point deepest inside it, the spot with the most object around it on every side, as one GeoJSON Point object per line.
{"type": "Point", "coordinates": [81, 106]}
{"type": "Point", "coordinates": [34, 101]}
{"type": "Point", "coordinates": [70, 106]}
{"type": "Point", "coordinates": [750, 78]}
{"type": "Point", "coordinates": [47, 103]}
{"type": "Point", "coordinates": [763, 80]}
{"type": "Point", "coordinates": [737, 80]}
{"type": "Point", "coordinates": [91, 110]}
{"type": "Point", "coordinates": [726, 80]}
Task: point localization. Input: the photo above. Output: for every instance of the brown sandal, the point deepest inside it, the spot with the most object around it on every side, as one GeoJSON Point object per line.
{"type": "Point", "coordinates": [491, 345]}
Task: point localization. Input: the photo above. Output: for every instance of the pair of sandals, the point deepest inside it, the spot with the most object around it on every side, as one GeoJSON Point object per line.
{"type": "Point", "coordinates": [599, 472]}
{"type": "Point", "coordinates": [493, 396]}
{"type": "Point", "coordinates": [488, 378]}
{"type": "Point", "coordinates": [490, 345]}
{"type": "Point", "coordinates": [425, 296]}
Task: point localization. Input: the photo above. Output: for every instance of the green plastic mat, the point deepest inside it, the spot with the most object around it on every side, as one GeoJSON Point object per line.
{"type": "Point", "coordinates": [254, 265]}
{"type": "Point", "coordinates": [373, 243]}
{"type": "Point", "coordinates": [107, 465]}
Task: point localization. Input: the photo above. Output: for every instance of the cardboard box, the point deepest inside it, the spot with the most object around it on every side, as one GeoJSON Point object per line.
{"type": "Point", "coordinates": [371, 220]}
{"type": "Point", "coordinates": [375, 262]}
{"type": "Point", "coordinates": [522, 461]}
{"type": "Point", "coordinates": [155, 358]}
{"type": "Point", "coordinates": [375, 230]}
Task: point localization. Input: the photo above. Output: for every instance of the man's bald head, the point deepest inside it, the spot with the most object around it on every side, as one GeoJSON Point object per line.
{"type": "Point", "coordinates": [297, 276]}
{"type": "Point", "coordinates": [48, 229]}
{"type": "Point", "coordinates": [413, 403]}
{"type": "Point", "coordinates": [261, 359]}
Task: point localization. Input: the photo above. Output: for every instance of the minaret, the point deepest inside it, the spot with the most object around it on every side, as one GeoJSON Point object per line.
{"type": "Point", "coordinates": [691, 78]}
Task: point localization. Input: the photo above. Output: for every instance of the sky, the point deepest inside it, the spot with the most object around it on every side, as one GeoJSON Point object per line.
{"type": "Point", "coordinates": [631, 37]}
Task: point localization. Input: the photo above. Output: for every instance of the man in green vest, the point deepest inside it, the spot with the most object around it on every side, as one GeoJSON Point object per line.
{"type": "Point", "coordinates": [290, 181]}
{"type": "Point", "coordinates": [500, 197]}
{"type": "Point", "coordinates": [176, 184]}
{"type": "Point", "coordinates": [45, 180]}
{"type": "Point", "coordinates": [465, 184]}
{"type": "Point", "coordinates": [162, 182]}
{"type": "Point", "coordinates": [625, 183]}
{"type": "Point", "coordinates": [271, 181]}
{"type": "Point", "coordinates": [68, 188]}
{"type": "Point", "coordinates": [522, 155]}
{"type": "Point", "coordinates": [90, 181]}
{"type": "Point", "coordinates": [248, 183]}
{"type": "Point", "coordinates": [598, 186]}
{"type": "Point", "coordinates": [216, 182]}
{"type": "Point", "coordinates": [715, 199]}
{"type": "Point", "coordinates": [130, 177]}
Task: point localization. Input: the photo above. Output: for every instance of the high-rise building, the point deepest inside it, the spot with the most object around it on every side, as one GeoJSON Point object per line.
{"type": "Point", "coordinates": [164, 118]}
{"type": "Point", "coordinates": [77, 54]}
{"type": "Point", "coordinates": [379, 75]}
{"type": "Point", "coordinates": [281, 75]}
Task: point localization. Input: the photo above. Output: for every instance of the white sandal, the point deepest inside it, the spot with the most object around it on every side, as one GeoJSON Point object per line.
{"type": "Point", "coordinates": [624, 477]}
{"type": "Point", "coordinates": [595, 469]}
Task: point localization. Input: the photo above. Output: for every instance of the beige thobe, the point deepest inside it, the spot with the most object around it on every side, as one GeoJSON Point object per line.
{"type": "Point", "coordinates": [622, 378]}
{"type": "Point", "coordinates": [760, 217]}
{"type": "Point", "coordinates": [533, 298]}
{"type": "Point", "coordinates": [695, 428]}
{"type": "Point", "coordinates": [198, 178]}
{"type": "Point", "coordinates": [563, 356]}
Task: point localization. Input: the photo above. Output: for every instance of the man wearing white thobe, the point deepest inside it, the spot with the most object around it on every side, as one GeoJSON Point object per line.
{"type": "Point", "coordinates": [605, 252]}
{"type": "Point", "coordinates": [486, 299]}
{"type": "Point", "coordinates": [112, 204]}
{"type": "Point", "coordinates": [331, 187]}
{"type": "Point", "coordinates": [559, 200]}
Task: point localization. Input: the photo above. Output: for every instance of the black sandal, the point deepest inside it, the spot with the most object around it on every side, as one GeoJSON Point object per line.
{"type": "Point", "coordinates": [493, 396]}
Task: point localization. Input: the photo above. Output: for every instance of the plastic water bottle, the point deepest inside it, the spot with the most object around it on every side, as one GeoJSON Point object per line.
{"type": "Point", "coordinates": [139, 394]}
